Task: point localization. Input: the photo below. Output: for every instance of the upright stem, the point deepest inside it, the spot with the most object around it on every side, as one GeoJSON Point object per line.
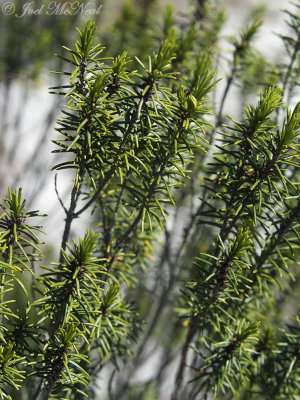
{"type": "Point", "coordinates": [292, 61]}
{"type": "Point", "coordinates": [179, 376]}
{"type": "Point", "coordinates": [69, 218]}
{"type": "Point", "coordinates": [228, 84]}
{"type": "Point", "coordinates": [288, 73]}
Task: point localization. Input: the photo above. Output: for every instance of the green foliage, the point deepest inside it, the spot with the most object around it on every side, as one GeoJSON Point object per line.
{"type": "Point", "coordinates": [230, 359]}
{"type": "Point", "coordinates": [142, 138]}
{"type": "Point", "coordinates": [17, 235]}
{"type": "Point", "coordinates": [281, 366]}
{"type": "Point", "coordinates": [73, 292]}
{"type": "Point", "coordinates": [10, 375]}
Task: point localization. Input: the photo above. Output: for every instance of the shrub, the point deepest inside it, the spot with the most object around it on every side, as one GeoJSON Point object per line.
{"type": "Point", "coordinates": [192, 254]}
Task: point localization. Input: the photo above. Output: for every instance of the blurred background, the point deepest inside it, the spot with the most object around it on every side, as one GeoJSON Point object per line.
{"type": "Point", "coordinates": [28, 114]}
{"type": "Point", "coordinates": [27, 48]}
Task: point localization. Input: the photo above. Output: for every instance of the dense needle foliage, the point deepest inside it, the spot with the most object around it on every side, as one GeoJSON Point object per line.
{"type": "Point", "coordinates": [192, 256]}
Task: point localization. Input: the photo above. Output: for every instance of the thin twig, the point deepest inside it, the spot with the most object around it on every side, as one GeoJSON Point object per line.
{"type": "Point", "coordinates": [58, 196]}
